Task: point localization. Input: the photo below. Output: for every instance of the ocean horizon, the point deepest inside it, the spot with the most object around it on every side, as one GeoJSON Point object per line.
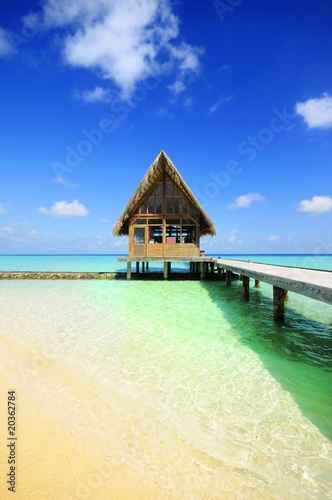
{"type": "Point", "coordinates": [193, 391]}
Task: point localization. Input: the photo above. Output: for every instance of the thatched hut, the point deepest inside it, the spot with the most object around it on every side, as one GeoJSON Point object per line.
{"type": "Point", "coordinates": [163, 217]}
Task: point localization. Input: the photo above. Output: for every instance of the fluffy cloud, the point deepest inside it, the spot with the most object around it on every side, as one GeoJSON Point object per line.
{"type": "Point", "coordinates": [318, 204]}
{"type": "Point", "coordinates": [63, 209]}
{"type": "Point", "coordinates": [6, 48]}
{"type": "Point", "coordinates": [5, 232]}
{"type": "Point", "coordinates": [316, 112]}
{"type": "Point", "coordinates": [245, 200]}
{"type": "Point", "coordinates": [274, 237]}
{"type": "Point", "coordinates": [232, 236]}
{"type": "Point", "coordinates": [124, 41]}
{"type": "Point", "coordinates": [64, 181]}
{"type": "Point", "coordinates": [98, 94]}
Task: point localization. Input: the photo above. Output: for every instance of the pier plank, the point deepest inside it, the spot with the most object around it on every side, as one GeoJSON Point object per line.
{"type": "Point", "coordinates": [312, 283]}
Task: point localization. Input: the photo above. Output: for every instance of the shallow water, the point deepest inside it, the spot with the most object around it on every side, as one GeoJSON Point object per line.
{"type": "Point", "coordinates": [212, 393]}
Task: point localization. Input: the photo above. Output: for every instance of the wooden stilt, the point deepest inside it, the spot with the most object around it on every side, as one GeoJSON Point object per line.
{"type": "Point", "coordinates": [147, 266]}
{"type": "Point", "coordinates": [137, 267]}
{"type": "Point", "coordinates": [257, 283]}
{"type": "Point", "coordinates": [219, 273]}
{"type": "Point", "coordinates": [128, 270]}
{"type": "Point", "coordinates": [143, 267]}
{"type": "Point", "coordinates": [279, 295]}
{"type": "Point", "coordinates": [228, 277]}
{"type": "Point", "coordinates": [202, 270]}
{"type": "Point", "coordinates": [245, 286]}
{"type": "Point", "coordinates": [165, 270]}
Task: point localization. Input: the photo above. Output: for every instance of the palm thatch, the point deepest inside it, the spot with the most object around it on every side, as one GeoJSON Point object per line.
{"type": "Point", "coordinates": [162, 163]}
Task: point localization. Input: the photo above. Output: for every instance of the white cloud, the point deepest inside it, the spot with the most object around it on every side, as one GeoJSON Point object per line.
{"type": "Point", "coordinates": [63, 209]}
{"type": "Point", "coordinates": [274, 237]}
{"type": "Point", "coordinates": [6, 48]}
{"type": "Point", "coordinates": [232, 236]}
{"type": "Point", "coordinates": [316, 112]}
{"type": "Point", "coordinates": [104, 221]}
{"type": "Point", "coordinates": [98, 94]}
{"type": "Point", "coordinates": [219, 103]}
{"type": "Point", "coordinates": [124, 41]}
{"type": "Point", "coordinates": [318, 204]}
{"type": "Point", "coordinates": [63, 180]}
{"type": "Point", "coordinates": [245, 200]}
{"type": "Point", "coordinates": [5, 232]}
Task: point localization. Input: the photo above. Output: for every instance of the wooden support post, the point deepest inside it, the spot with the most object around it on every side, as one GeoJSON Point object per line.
{"type": "Point", "coordinates": [219, 273]}
{"type": "Point", "coordinates": [245, 286]}
{"type": "Point", "coordinates": [279, 295]}
{"type": "Point", "coordinates": [257, 283]}
{"type": "Point", "coordinates": [212, 267]}
{"type": "Point", "coordinates": [147, 266]}
{"type": "Point", "coordinates": [137, 267]}
{"type": "Point", "coordinates": [165, 270]}
{"type": "Point", "coordinates": [169, 267]}
{"type": "Point", "coordinates": [128, 270]}
{"type": "Point", "coordinates": [143, 267]}
{"type": "Point", "coordinates": [202, 270]}
{"type": "Point", "coordinates": [228, 277]}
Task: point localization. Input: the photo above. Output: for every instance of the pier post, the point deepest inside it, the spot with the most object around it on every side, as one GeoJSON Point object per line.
{"type": "Point", "coordinates": [143, 267]}
{"type": "Point", "coordinates": [245, 287]}
{"type": "Point", "coordinates": [228, 277]}
{"type": "Point", "coordinates": [166, 270]}
{"type": "Point", "coordinates": [147, 266]}
{"type": "Point", "coordinates": [137, 267]}
{"type": "Point", "coordinates": [202, 270]}
{"type": "Point", "coordinates": [128, 270]}
{"type": "Point", "coordinates": [279, 295]}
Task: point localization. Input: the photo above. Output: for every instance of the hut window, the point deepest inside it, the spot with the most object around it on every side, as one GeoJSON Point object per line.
{"type": "Point", "coordinates": [140, 221]}
{"type": "Point", "coordinates": [143, 207]}
{"type": "Point", "coordinates": [169, 205]}
{"type": "Point", "coordinates": [173, 233]}
{"type": "Point", "coordinates": [156, 234]}
{"type": "Point", "coordinates": [188, 234]}
{"type": "Point", "coordinates": [185, 207]}
{"type": "Point", "coordinates": [159, 205]}
{"type": "Point", "coordinates": [159, 189]}
{"type": "Point", "coordinates": [151, 205]}
{"type": "Point", "coordinates": [176, 205]}
{"type": "Point", "coordinates": [169, 189]}
{"type": "Point", "coordinates": [139, 235]}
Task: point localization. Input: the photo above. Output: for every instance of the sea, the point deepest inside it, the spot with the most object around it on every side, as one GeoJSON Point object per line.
{"type": "Point", "coordinates": [213, 398]}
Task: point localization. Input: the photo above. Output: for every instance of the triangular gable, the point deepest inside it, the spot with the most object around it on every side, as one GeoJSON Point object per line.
{"type": "Point", "coordinates": [162, 163]}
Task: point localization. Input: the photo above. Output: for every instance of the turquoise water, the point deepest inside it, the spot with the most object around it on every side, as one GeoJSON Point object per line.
{"type": "Point", "coordinates": [213, 395]}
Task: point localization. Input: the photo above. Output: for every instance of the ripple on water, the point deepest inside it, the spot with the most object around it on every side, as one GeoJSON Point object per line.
{"type": "Point", "coordinates": [197, 379]}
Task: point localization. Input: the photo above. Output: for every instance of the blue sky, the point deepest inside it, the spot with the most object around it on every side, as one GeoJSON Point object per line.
{"type": "Point", "coordinates": [238, 93]}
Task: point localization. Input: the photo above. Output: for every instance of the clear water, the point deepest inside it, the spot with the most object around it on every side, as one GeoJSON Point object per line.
{"type": "Point", "coordinates": [212, 395]}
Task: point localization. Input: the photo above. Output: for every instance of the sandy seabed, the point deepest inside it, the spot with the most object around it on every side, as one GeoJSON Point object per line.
{"type": "Point", "coordinates": [73, 445]}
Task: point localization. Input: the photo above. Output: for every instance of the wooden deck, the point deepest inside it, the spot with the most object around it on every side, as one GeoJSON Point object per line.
{"type": "Point", "coordinates": [312, 283]}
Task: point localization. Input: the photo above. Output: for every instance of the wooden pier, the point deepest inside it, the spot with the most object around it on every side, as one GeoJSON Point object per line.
{"type": "Point", "coordinates": [312, 283]}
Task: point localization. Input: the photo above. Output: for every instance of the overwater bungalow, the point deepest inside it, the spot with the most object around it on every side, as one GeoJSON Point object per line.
{"type": "Point", "coordinates": [163, 218]}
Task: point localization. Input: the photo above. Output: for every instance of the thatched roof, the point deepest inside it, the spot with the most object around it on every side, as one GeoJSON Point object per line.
{"type": "Point", "coordinates": [160, 164]}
